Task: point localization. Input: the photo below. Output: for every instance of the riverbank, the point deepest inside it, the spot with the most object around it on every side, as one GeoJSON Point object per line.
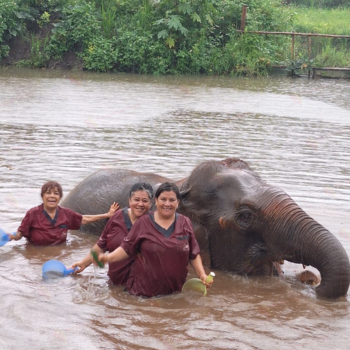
{"type": "Point", "coordinates": [144, 38]}
{"type": "Point", "coordinates": [163, 37]}
{"type": "Point", "coordinates": [21, 55]}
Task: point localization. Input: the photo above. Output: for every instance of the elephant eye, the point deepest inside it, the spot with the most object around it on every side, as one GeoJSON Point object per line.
{"type": "Point", "coordinates": [245, 218]}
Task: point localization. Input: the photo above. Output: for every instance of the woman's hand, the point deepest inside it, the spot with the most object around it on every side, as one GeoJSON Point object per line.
{"type": "Point", "coordinates": [203, 277]}
{"type": "Point", "coordinates": [15, 236]}
{"type": "Point", "coordinates": [198, 267]}
{"type": "Point", "coordinates": [88, 219]}
{"type": "Point", "coordinates": [114, 207]}
{"type": "Point", "coordinates": [81, 267]}
{"type": "Point", "coordinates": [103, 258]}
{"type": "Point", "coordinates": [117, 255]}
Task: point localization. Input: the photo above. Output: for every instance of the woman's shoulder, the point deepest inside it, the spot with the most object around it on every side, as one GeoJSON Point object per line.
{"type": "Point", "coordinates": [35, 210]}
{"type": "Point", "coordinates": [120, 217]}
{"type": "Point", "coordinates": [147, 217]}
{"type": "Point", "coordinates": [144, 219]}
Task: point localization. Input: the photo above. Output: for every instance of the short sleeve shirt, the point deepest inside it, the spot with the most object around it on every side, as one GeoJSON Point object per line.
{"type": "Point", "coordinates": [40, 229]}
{"type": "Point", "coordinates": [118, 226]}
{"type": "Point", "coordinates": [161, 262]}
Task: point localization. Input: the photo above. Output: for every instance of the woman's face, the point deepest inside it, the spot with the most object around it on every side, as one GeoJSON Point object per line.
{"type": "Point", "coordinates": [51, 198]}
{"type": "Point", "coordinates": [139, 203]}
{"type": "Point", "coordinates": [167, 204]}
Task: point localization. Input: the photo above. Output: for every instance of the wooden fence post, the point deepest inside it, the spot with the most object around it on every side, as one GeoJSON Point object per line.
{"type": "Point", "coordinates": [309, 49]}
{"type": "Point", "coordinates": [243, 17]}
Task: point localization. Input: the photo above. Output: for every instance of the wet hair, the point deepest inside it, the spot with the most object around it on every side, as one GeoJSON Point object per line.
{"type": "Point", "coordinates": [141, 186]}
{"type": "Point", "coordinates": [168, 186]}
{"type": "Point", "coordinates": [51, 185]}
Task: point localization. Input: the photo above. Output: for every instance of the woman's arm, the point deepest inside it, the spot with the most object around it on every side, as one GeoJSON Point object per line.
{"type": "Point", "coordinates": [117, 255]}
{"type": "Point", "coordinates": [131, 242]}
{"type": "Point", "coordinates": [88, 219]}
{"type": "Point", "coordinates": [199, 269]}
{"type": "Point", "coordinates": [84, 263]}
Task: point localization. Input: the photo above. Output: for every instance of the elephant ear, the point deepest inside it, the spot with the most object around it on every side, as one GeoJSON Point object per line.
{"type": "Point", "coordinates": [196, 191]}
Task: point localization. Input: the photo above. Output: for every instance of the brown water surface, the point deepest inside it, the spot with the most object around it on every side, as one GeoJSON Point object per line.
{"type": "Point", "coordinates": [65, 125]}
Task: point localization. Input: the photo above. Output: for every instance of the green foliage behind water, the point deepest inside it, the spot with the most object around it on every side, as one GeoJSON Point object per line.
{"type": "Point", "coordinates": [152, 36]}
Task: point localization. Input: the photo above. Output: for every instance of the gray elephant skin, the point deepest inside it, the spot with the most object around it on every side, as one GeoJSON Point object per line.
{"type": "Point", "coordinates": [242, 224]}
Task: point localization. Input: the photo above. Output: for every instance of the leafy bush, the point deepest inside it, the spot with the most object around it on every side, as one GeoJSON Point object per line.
{"type": "Point", "coordinates": [299, 66]}
{"type": "Point", "coordinates": [140, 53]}
{"type": "Point", "coordinates": [101, 54]}
{"type": "Point", "coordinates": [12, 22]}
{"type": "Point", "coordinates": [44, 19]}
{"type": "Point", "coordinates": [163, 36]}
{"type": "Point", "coordinates": [80, 24]}
{"type": "Point", "coordinates": [48, 6]}
{"type": "Point", "coordinates": [38, 55]}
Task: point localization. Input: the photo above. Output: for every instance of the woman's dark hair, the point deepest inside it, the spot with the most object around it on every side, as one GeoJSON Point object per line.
{"type": "Point", "coordinates": [168, 186]}
{"type": "Point", "coordinates": [141, 186]}
{"type": "Point", "coordinates": [51, 185]}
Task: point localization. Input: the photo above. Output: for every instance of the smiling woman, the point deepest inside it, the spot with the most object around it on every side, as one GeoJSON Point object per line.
{"type": "Point", "coordinates": [118, 227]}
{"type": "Point", "coordinates": [162, 245]}
{"type": "Point", "coordinates": [48, 223]}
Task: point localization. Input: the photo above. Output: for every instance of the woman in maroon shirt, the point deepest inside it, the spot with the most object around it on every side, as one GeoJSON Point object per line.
{"type": "Point", "coordinates": [162, 244]}
{"type": "Point", "coordinates": [118, 226]}
{"type": "Point", "coordinates": [48, 223]}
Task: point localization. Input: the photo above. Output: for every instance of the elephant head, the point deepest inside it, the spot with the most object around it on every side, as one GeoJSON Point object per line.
{"type": "Point", "coordinates": [247, 226]}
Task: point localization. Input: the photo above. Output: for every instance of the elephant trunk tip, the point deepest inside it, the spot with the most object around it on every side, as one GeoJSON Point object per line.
{"type": "Point", "coordinates": [333, 289]}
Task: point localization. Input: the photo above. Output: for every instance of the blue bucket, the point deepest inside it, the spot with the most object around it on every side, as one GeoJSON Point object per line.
{"type": "Point", "coordinates": [4, 237]}
{"type": "Point", "coordinates": [55, 269]}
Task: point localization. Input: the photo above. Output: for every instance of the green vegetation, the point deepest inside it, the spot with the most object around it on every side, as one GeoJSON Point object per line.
{"type": "Point", "coordinates": [158, 36]}
{"type": "Point", "coordinates": [330, 52]}
{"type": "Point", "coordinates": [325, 21]}
{"type": "Point", "coordinates": [12, 16]}
{"type": "Point", "coordinates": [321, 3]}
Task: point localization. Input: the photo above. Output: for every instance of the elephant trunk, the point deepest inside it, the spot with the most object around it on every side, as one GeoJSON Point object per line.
{"type": "Point", "coordinates": [300, 239]}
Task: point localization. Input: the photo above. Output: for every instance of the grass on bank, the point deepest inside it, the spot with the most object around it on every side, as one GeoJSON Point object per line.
{"type": "Point", "coordinates": [324, 21]}
{"type": "Point", "coordinates": [326, 52]}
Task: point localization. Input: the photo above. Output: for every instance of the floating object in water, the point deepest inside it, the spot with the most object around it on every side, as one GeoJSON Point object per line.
{"type": "Point", "coordinates": [5, 237]}
{"type": "Point", "coordinates": [197, 285]}
{"type": "Point", "coordinates": [54, 269]}
{"type": "Point", "coordinates": [308, 277]}
{"type": "Point", "coordinates": [98, 262]}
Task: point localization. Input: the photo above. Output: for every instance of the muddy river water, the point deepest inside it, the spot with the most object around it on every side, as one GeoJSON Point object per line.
{"type": "Point", "coordinates": [65, 125]}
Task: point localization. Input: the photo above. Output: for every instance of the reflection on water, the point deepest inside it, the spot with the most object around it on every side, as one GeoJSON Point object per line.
{"type": "Point", "coordinates": [64, 125]}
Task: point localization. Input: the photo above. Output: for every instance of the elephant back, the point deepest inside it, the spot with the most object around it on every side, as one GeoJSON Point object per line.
{"type": "Point", "coordinates": [96, 193]}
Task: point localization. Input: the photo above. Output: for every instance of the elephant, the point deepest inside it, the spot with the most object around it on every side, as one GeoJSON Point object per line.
{"type": "Point", "coordinates": [242, 224]}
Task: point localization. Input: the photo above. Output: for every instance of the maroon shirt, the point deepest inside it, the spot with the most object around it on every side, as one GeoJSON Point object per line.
{"type": "Point", "coordinates": [117, 228]}
{"type": "Point", "coordinates": [160, 265]}
{"type": "Point", "coordinates": [40, 229]}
